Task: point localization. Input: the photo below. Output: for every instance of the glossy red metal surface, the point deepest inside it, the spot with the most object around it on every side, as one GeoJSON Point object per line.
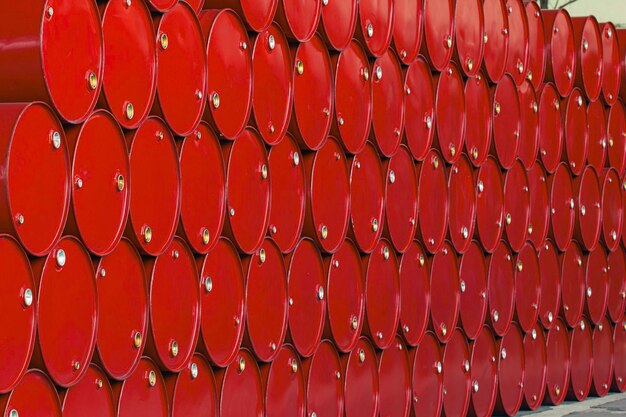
{"type": "Point", "coordinates": [129, 73]}
{"type": "Point", "coordinates": [361, 384]}
{"type": "Point", "coordinates": [438, 44]}
{"type": "Point", "coordinates": [395, 380]}
{"type": "Point", "coordinates": [619, 357]}
{"type": "Point", "coordinates": [312, 94]}
{"type": "Point", "coordinates": [266, 311]}
{"type": "Point", "coordinates": [516, 205]}
{"type": "Point", "coordinates": [572, 284]}
{"type": "Point", "coordinates": [367, 198]}
{"type": "Point", "coordinates": [445, 292]}
{"type": "Point", "coordinates": [34, 395]}
{"type": "Point", "coordinates": [456, 375]}
{"type": "Point", "coordinates": [414, 294]}
{"type": "Point", "coordinates": [426, 376]}
{"type": "Point", "coordinates": [562, 206]}
{"type": "Point", "coordinates": [352, 96]}
{"type": "Point", "coordinates": [501, 289]}
{"type": "Point", "coordinates": [283, 381]}
{"type": "Point", "coordinates": [616, 132]}
{"type": "Point", "coordinates": [100, 178]}
{"type": "Point", "coordinates": [561, 63]}
{"type": "Point", "coordinates": [576, 132]}
{"type": "Point", "coordinates": [401, 199]}
{"type": "Point", "coordinates": [36, 190]}
{"type": "Point", "coordinates": [581, 361]}
{"type": "Point", "coordinates": [388, 116]}
{"type": "Point", "coordinates": [550, 128]}
{"type": "Point", "coordinates": [122, 310]}
{"type": "Point", "coordinates": [527, 287]}
{"type": "Point", "coordinates": [155, 192]}
{"type": "Point", "coordinates": [66, 310]}
{"type": "Point", "coordinates": [489, 204]}
{"type": "Point", "coordinates": [323, 381]}
{"type": "Point", "coordinates": [597, 285]}
{"type": "Point", "coordinates": [307, 297]}
{"type": "Point", "coordinates": [550, 284]}
{"type": "Point", "coordinates": [407, 29]}
{"type": "Point", "coordinates": [519, 48]}
{"type": "Point", "coordinates": [535, 359]}
{"type": "Point", "coordinates": [375, 25]}
{"type": "Point", "coordinates": [92, 395]}
{"type": "Point", "coordinates": [257, 14]}
{"type": "Point", "coordinates": [537, 45]}
{"type": "Point", "coordinates": [469, 21]}
{"type": "Point", "coordinates": [511, 366]}
{"type": "Point", "coordinates": [496, 39]}
{"type": "Point", "coordinates": [478, 126]}
{"type": "Point", "coordinates": [462, 201]}
{"type": "Point", "coordinates": [222, 279]}
{"type": "Point", "coordinates": [17, 313]}
{"type": "Point", "coordinates": [473, 283]}
{"type": "Point", "coordinates": [529, 124]}
{"type": "Point", "coordinates": [588, 212]}
{"type": "Point", "coordinates": [613, 69]}
{"type": "Point", "coordinates": [299, 19]}
{"type": "Point", "coordinates": [161, 5]}
{"type": "Point", "coordinates": [539, 204]}
{"type": "Point", "coordinates": [327, 214]}
{"type": "Point", "coordinates": [483, 370]}
{"type": "Point", "coordinates": [612, 209]}
{"type": "Point", "coordinates": [61, 46]}
{"type": "Point", "coordinates": [602, 369]}
{"type": "Point", "coordinates": [616, 262]}
{"type": "Point", "coordinates": [589, 55]}
{"type": "Point", "coordinates": [338, 23]}
{"type": "Point", "coordinates": [192, 392]}
{"type": "Point", "coordinates": [248, 181]}
{"type": "Point", "coordinates": [419, 102]}
{"type": "Point", "coordinates": [142, 392]}
{"type": "Point", "coordinates": [181, 89]}
{"type": "Point", "coordinates": [506, 121]}
{"type": "Point", "coordinates": [558, 364]}
{"type": "Point", "coordinates": [624, 211]}
{"type": "Point", "coordinates": [287, 198]}
{"type": "Point", "coordinates": [432, 202]}
{"type": "Point", "coordinates": [229, 71]}
{"type": "Point", "coordinates": [450, 109]}
{"type": "Point", "coordinates": [240, 392]}
{"type": "Point", "coordinates": [272, 83]}
{"type": "Point", "coordinates": [596, 127]}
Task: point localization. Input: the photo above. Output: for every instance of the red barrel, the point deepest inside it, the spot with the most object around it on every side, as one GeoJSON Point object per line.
{"type": "Point", "coordinates": [456, 376]}
{"type": "Point", "coordinates": [129, 73]}
{"type": "Point", "coordinates": [616, 262]}
{"type": "Point", "coordinates": [489, 204]}
{"type": "Point", "coordinates": [596, 126]}
{"type": "Point", "coordinates": [36, 189]}
{"type": "Point", "coordinates": [562, 206]}
{"type": "Point", "coordinates": [92, 396]}
{"type": "Point", "coordinates": [427, 377]}
{"type": "Point", "coordinates": [382, 294]}
{"type": "Point", "coordinates": [496, 39]}
{"type": "Point", "coordinates": [462, 198]}
{"type": "Point", "coordinates": [576, 133]}
{"type": "Point", "coordinates": [511, 365]}
{"type": "Point", "coordinates": [561, 63]}
{"type": "Point", "coordinates": [506, 121]}
{"type": "Point", "coordinates": [581, 360]}
{"type": "Point", "coordinates": [395, 380]}
{"type": "Point", "coordinates": [558, 364]}
{"type": "Point", "coordinates": [299, 19]}
{"type": "Point", "coordinates": [414, 294]}
{"type": "Point", "coordinates": [272, 82]}
{"type": "Point", "coordinates": [174, 291]}
{"type": "Point", "coordinates": [388, 116]}
{"type": "Point", "coordinates": [34, 395]}
{"type": "Point", "coordinates": [375, 25]}
{"type": "Point", "coordinates": [616, 126]}
{"type": "Point", "coordinates": [589, 55]}
{"type": "Point", "coordinates": [537, 45]}
{"type": "Point", "coordinates": [602, 358]}
{"type": "Point", "coordinates": [352, 96]}
{"type": "Point", "coordinates": [266, 311]}
{"type": "Point", "coordinates": [155, 193]}
{"type": "Point", "coordinates": [469, 20]}
{"type": "Point", "coordinates": [477, 119]}
{"type": "Point", "coordinates": [516, 205]}
{"type": "Point", "coordinates": [438, 32]}
{"type": "Point", "coordinates": [323, 383]}
{"type": "Point", "coordinates": [122, 310]}
{"type": "Point", "coordinates": [597, 285]}
{"type": "Point", "coordinates": [307, 297]}
{"type": "Point", "coordinates": [529, 124]}
{"type": "Point", "coordinates": [247, 190]}
{"type": "Point", "coordinates": [257, 14]}
{"type": "Point", "coordinates": [327, 214]}
{"type": "Point", "coordinates": [142, 392]}
{"type": "Point", "coordinates": [445, 292]}
{"type": "Point", "coordinates": [612, 208]}
{"type": "Point", "coordinates": [539, 204]}
{"type": "Point", "coordinates": [613, 69]}
{"type": "Point", "coordinates": [192, 392]}
{"type": "Point", "coordinates": [229, 71]}
{"type": "Point", "coordinates": [17, 313]}
{"type": "Point", "coordinates": [287, 198]}
{"type": "Point", "coordinates": [535, 359]}
{"type": "Point", "coordinates": [67, 310]}
{"type": "Point", "coordinates": [501, 289]}
{"type": "Point", "coordinates": [619, 357]}
{"type": "Point", "coordinates": [419, 102]}
{"type": "Point", "coordinates": [450, 109]}
{"type": "Point", "coordinates": [588, 213]}
{"type": "Point", "coordinates": [361, 384]}
{"type": "Point", "coordinates": [527, 287]}
{"type": "Point", "coordinates": [346, 297]}
{"type": "Point", "coordinates": [572, 284]}
{"type": "Point", "coordinates": [61, 63]}
{"type": "Point", "coordinates": [483, 372]}
{"type": "Point", "coordinates": [519, 41]}
{"type": "Point", "coordinates": [338, 23]}
{"type": "Point", "coordinates": [222, 308]}
{"type": "Point", "coordinates": [550, 284]}
{"type": "Point", "coordinates": [181, 89]}
{"type": "Point", "coordinates": [433, 201]}
{"type": "Point", "coordinates": [367, 198]}
{"type": "Point", "coordinates": [407, 29]}
{"type": "Point", "coordinates": [550, 128]}
{"type": "Point", "coordinates": [473, 283]}
{"type": "Point", "coordinates": [283, 383]}
{"type": "Point", "coordinates": [312, 93]}
{"type": "Point", "coordinates": [100, 178]}
{"type": "Point", "coordinates": [240, 392]}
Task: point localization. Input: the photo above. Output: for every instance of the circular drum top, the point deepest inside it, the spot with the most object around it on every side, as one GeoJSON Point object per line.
{"type": "Point", "coordinates": [375, 25]}
{"type": "Point", "coordinates": [483, 373]}
{"type": "Point", "coordinates": [550, 284]}
{"type": "Point", "coordinates": [581, 356]}
{"type": "Point", "coordinates": [501, 289]}
{"type": "Point", "coordinates": [72, 57]}
{"type": "Point", "coordinates": [506, 121]}
{"type": "Point", "coordinates": [35, 395]}
{"type": "Point", "coordinates": [438, 32]}
{"type": "Point", "coordinates": [535, 367]}
{"type": "Point", "coordinates": [395, 380]}
{"type": "Point", "coordinates": [470, 27]}
{"type": "Point", "coordinates": [284, 388]}
{"type": "Point", "coordinates": [576, 133]}
{"type": "Point", "coordinates": [229, 71]}
{"type": "Point", "coordinates": [433, 201]}
{"type": "Point", "coordinates": [129, 101]}
{"type": "Point", "coordinates": [477, 119]}
{"type": "Point", "coordinates": [516, 205]}
{"type": "Point", "coordinates": [612, 216]}
{"type": "Point", "coordinates": [596, 126]}
{"type": "Point", "coordinates": [550, 128]}
{"type": "Point", "coordinates": [324, 386]}
{"type": "Point", "coordinates": [496, 38]}
{"type": "Point", "coordinates": [407, 29]}
{"type": "Point", "coordinates": [181, 88]}
{"type": "Point", "coordinates": [562, 206]}
{"type": "Point", "coordinates": [427, 377]}
{"type": "Point", "coordinates": [588, 213]}
{"type": "Point", "coordinates": [527, 287]}
{"type": "Point", "coordinates": [536, 69]}
{"type": "Point", "coordinates": [529, 124]}
{"type": "Point", "coordinates": [539, 204]}
{"type": "Point", "coordinates": [92, 395]}
{"type": "Point", "coordinates": [456, 376]}
{"type": "Point", "coordinates": [511, 365]}
{"type": "Point", "coordinates": [361, 383]}
{"type": "Point", "coordinates": [445, 292]}
{"type": "Point", "coordinates": [338, 23]}
{"type": "Point", "coordinates": [597, 285]}
{"type": "Point", "coordinates": [612, 68]}
{"type": "Point", "coordinates": [489, 204]}
{"type": "Point", "coordinates": [473, 283]}
{"type": "Point", "coordinates": [558, 363]}
{"type": "Point", "coordinates": [17, 313]}
{"type": "Point", "coordinates": [192, 392]}
{"type": "Point", "coordinates": [462, 199]}
{"type": "Point", "coordinates": [240, 389]}
{"type": "Point", "coordinates": [299, 18]}
{"type": "Point", "coordinates": [100, 178]}
{"type": "Point", "coordinates": [602, 358]}
{"type": "Point", "coordinates": [589, 55]}
{"type": "Point", "coordinates": [616, 131]}
{"type": "Point", "coordinates": [36, 170]}
{"type": "Point", "coordinates": [617, 285]}
{"type": "Point", "coordinates": [414, 294]}
{"type": "Point", "coordinates": [572, 284]}
{"type": "Point", "coordinates": [450, 108]}
{"type": "Point", "coordinates": [562, 56]}
{"type": "Point", "coordinates": [419, 101]}
{"type": "Point", "coordinates": [518, 54]}
{"type": "Point", "coordinates": [143, 392]}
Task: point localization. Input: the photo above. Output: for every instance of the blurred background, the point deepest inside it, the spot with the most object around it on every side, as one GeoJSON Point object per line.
{"type": "Point", "coordinates": [603, 10]}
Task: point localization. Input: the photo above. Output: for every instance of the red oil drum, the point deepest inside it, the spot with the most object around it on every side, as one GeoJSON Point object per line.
{"type": "Point", "coordinates": [535, 359]}
{"type": "Point", "coordinates": [489, 205]}
{"type": "Point", "coordinates": [506, 121]}
{"type": "Point", "coordinates": [550, 284]}
{"type": "Point", "coordinates": [597, 285]}
{"type": "Point", "coordinates": [550, 128]}
{"type": "Point", "coordinates": [613, 69]}
{"type": "Point", "coordinates": [619, 355]}
{"type": "Point", "coordinates": [407, 29]}
{"type": "Point", "coordinates": [537, 45]}
{"type": "Point", "coordinates": [299, 19]}
{"type": "Point", "coordinates": [616, 128]}
{"type": "Point", "coordinates": [496, 39]}
{"type": "Point", "coordinates": [477, 119]}
{"type": "Point", "coordinates": [257, 14]}
{"type": "Point", "coordinates": [572, 284]}
{"type": "Point", "coordinates": [287, 198]}
{"type": "Point", "coordinates": [338, 23]}
{"type": "Point", "coordinates": [516, 206]}
{"type": "Point", "coordinates": [192, 392]}
{"type": "Point", "coordinates": [129, 73]}
{"type": "Point", "coordinates": [266, 311]}
{"type": "Point", "coordinates": [122, 310]}
{"type": "Point", "coordinates": [558, 364]}
{"type": "Point", "coordinates": [438, 44]}
{"type": "Point", "coordinates": [469, 20]}
{"type": "Point", "coordinates": [222, 303]}
{"type": "Point", "coordinates": [450, 109]}
{"type": "Point", "coordinates": [92, 395]}
{"type": "Point", "coordinates": [283, 383]}
{"type": "Point", "coordinates": [462, 198]}
{"type": "Point", "coordinates": [483, 371]}
{"type": "Point", "coordinates": [612, 209]}
{"type": "Point", "coordinates": [427, 377]}
{"type": "Point", "coordinates": [395, 380]}
{"type": "Point", "coordinates": [323, 382]}
{"type": "Point", "coordinates": [414, 294]}
{"type": "Point", "coordinates": [240, 393]}
{"type": "Point", "coordinates": [576, 133]}
{"type": "Point", "coordinates": [501, 289]}
{"type": "Point", "coordinates": [67, 310]}
{"type": "Point", "coordinates": [602, 358]}
{"type": "Point", "coordinates": [142, 392]}
{"type": "Point", "coordinates": [433, 202]}
{"type": "Point", "coordinates": [529, 124]}
{"type": "Point", "coordinates": [34, 395]}
{"type": "Point", "coordinates": [229, 71]}
{"type": "Point", "coordinates": [445, 292]}
{"type": "Point", "coordinates": [561, 63]}
{"type": "Point", "coordinates": [361, 384]}
{"type": "Point", "coordinates": [419, 101]}
{"type": "Point", "coordinates": [596, 127]}
{"type": "Point", "coordinates": [581, 361]}
{"type": "Point", "coordinates": [519, 41]}
{"type": "Point", "coordinates": [511, 365]}
{"type": "Point", "coordinates": [616, 262]}
{"type": "Point", "coordinates": [539, 204]}
{"type": "Point", "coordinates": [62, 61]}
{"type": "Point", "coordinates": [375, 25]}
{"type": "Point", "coordinates": [527, 287]}
{"type": "Point", "coordinates": [456, 375]}
{"type": "Point", "coordinates": [562, 206]}
{"type": "Point", "coordinates": [589, 55]}
{"type": "Point", "coordinates": [588, 212]}
{"type": "Point", "coordinates": [473, 283]}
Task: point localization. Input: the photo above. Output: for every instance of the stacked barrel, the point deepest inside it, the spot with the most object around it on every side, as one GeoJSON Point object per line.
{"type": "Point", "coordinates": [315, 208]}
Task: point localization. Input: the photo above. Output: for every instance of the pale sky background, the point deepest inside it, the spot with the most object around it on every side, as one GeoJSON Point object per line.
{"type": "Point", "coordinates": [603, 10]}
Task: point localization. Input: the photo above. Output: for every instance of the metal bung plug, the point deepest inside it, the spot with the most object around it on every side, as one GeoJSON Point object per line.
{"type": "Point", "coordinates": [208, 284]}
{"type": "Point", "coordinates": [324, 231]}
{"type": "Point", "coordinates": [137, 340]}
{"type": "Point", "coordinates": [242, 365]}
{"type": "Point", "coordinates": [56, 140]}
{"type": "Point", "coordinates": [215, 100]}
{"type": "Point", "coordinates": [361, 355]}
{"type": "Point", "coordinates": [299, 67]}
{"type": "Point", "coordinates": [164, 41]}
{"type": "Point", "coordinates": [262, 255]}
{"type": "Point", "coordinates": [152, 378]}
{"type": "Point", "coordinates": [194, 370]}
{"type": "Point", "coordinates": [370, 30]}
{"type": "Point", "coordinates": [147, 234]}
{"type": "Point", "coordinates": [294, 366]}
{"type": "Point", "coordinates": [354, 322]}
{"type": "Point", "coordinates": [174, 348]}
{"type": "Point", "coordinates": [93, 80]}
{"type": "Point", "coordinates": [60, 258]}
{"type": "Point", "coordinates": [205, 236]}
{"type": "Point", "coordinates": [320, 293]}
{"type": "Point", "coordinates": [271, 42]}
{"type": "Point", "coordinates": [28, 297]}
{"type": "Point", "coordinates": [120, 182]}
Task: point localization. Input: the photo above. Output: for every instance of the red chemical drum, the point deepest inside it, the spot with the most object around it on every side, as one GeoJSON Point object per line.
{"type": "Point", "coordinates": [375, 25]}
{"type": "Point", "coordinates": [496, 39]}
{"type": "Point", "coordinates": [613, 69]}
{"type": "Point", "coordinates": [511, 366]}
{"type": "Point", "coordinates": [192, 392]}
{"type": "Point", "coordinates": [338, 23]}
{"type": "Point", "coordinates": [562, 206]}
{"type": "Point", "coordinates": [489, 205]}
{"type": "Point", "coordinates": [602, 358]}
{"type": "Point", "coordinates": [483, 372]}
{"type": "Point", "coordinates": [616, 262]}
{"type": "Point", "coordinates": [501, 289]}
{"type": "Point", "coordinates": [142, 392]}
{"type": "Point", "coordinates": [414, 294]}
{"type": "Point", "coordinates": [257, 14]}
{"type": "Point", "coordinates": [558, 364]}
{"type": "Point", "coordinates": [561, 63]}
{"type": "Point", "coordinates": [619, 353]}
{"type": "Point", "coordinates": [529, 124]}
{"type": "Point", "coordinates": [527, 287]}
{"type": "Point", "coordinates": [478, 126]}
{"type": "Point", "coordinates": [506, 121]}
{"type": "Point", "coordinates": [407, 29]}
{"type": "Point", "coordinates": [462, 198]}
{"type": "Point", "coordinates": [588, 213]}
{"type": "Point", "coordinates": [419, 101]}
{"type": "Point", "coordinates": [581, 361]}
{"type": "Point", "coordinates": [427, 377]}
{"type": "Point", "coordinates": [34, 395]}
{"type": "Point", "coordinates": [572, 284]}
{"type": "Point", "coordinates": [519, 41]}
{"type": "Point", "coordinates": [438, 44]}
{"type": "Point", "coordinates": [92, 395]}
{"type": "Point", "coordinates": [537, 45]}
{"type": "Point", "coordinates": [469, 20]}
{"type": "Point", "coordinates": [612, 209]}
{"type": "Point", "coordinates": [299, 19]}
{"type": "Point", "coordinates": [596, 124]}
{"type": "Point", "coordinates": [550, 128]}
{"type": "Point", "coordinates": [589, 55]}
{"type": "Point", "coordinates": [616, 130]}
{"type": "Point", "coordinates": [450, 109]}
{"type": "Point", "coordinates": [283, 383]}
{"type": "Point", "coordinates": [240, 392]}
{"type": "Point", "coordinates": [535, 359]}
{"type": "Point", "coordinates": [550, 284]}
{"type": "Point", "coordinates": [323, 382]}
{"type": "Point", "coordinates": [445, 292]}
{"type": "Point", "coordinates": [597, 285]}
{"type": "Point", "coordinates": [516, 205]}
{"type": "Point", "coordinates": [473, 283]}
{"type": "Point", "coordinates": [361, 384]}
{"type": "Point", "coordinates": [539, 204]}
{"type": "Point", "coordinates": [395, 380]}
{"type": "Point", "coordinates": [433, 202]}
{"type": "Point", "coordinates": [576, 133]}
{"type": "Point", "coordinates": [456, 376]}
